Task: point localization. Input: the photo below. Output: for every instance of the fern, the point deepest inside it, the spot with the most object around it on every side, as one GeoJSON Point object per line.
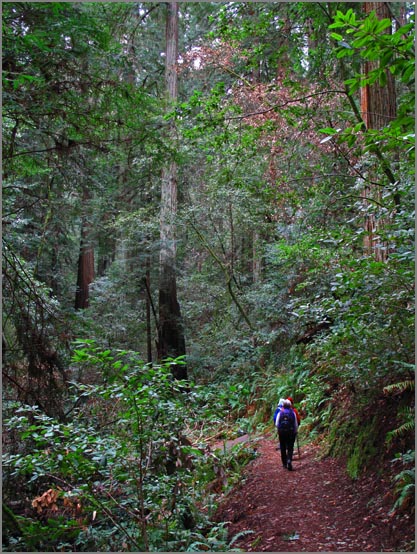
{"type": "Point", "coordinates": [239, 536]}
{"type": "Point", "coordinates": [402, 386]}
{"type": "Point", "coordinates": [194, 547]}
{"type": "Point", "coordinates": [405, 482]}
{"type": "Point", "coordinates": [407, 494]}
{"type": "Point", "coordinates": [407, 427]}
{"type": "Point", "coordinates": [405, 489]}
{"type": "Point", "coordinates": [406, 475]}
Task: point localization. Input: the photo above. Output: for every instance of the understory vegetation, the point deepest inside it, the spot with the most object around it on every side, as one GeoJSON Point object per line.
{"type": "Point", "coordinates": [293, 273]}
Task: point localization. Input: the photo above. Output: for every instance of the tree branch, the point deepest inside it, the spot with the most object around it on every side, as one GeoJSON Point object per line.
{"type": "Point", "coordinates": [277, 106]}
{"type": "Point", "coordinates": [226, 274]}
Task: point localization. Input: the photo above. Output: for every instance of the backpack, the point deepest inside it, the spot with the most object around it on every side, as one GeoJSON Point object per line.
{"type": "Point", "coordinates": [286, 421]}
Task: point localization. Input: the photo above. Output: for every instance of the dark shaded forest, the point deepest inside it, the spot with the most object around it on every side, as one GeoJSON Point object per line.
{"type": "Point", "coordinates": [207, 206]}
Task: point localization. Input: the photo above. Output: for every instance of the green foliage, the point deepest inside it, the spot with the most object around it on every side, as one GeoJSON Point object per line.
{"type": "Point", "coordinates": [406, 428]}
{"type": "Point", "coordinates": [277, 294]}
{"type": "Point", "coordinates": [393, 52]}
{"type": "Point", "coordinates": [368, 38]}
{"type": "Point", "coordinates": [287, 379]}
{"type": "Point", "coordinates": [120, 466]}
{"type": "Point", "coordinates": [363, 452]}
{"type": "Point", "coordinates": [405, 482]}
{"type": "Point", "coordinates": [403, 385]}
{"type": "Point", "coordinates": [362, 320]}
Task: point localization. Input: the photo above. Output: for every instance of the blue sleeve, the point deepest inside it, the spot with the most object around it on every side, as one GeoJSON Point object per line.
{"type": "Point", "coordinates": [277, 419]}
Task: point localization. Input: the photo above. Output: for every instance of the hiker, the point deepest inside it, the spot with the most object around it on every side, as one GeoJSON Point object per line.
{"type": "Point", "coordinates": [278, 408]}
{"type": "Point", "coordinates": [295, 410]}
{"type": "Point", "coordinates": [287, 425]}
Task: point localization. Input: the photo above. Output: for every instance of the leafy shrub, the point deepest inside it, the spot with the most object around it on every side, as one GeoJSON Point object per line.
{"type": "Point", "coordinates": [120, 474]}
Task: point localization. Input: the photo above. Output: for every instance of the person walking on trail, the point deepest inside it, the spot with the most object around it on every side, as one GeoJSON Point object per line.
{"type": "Point", "coordinates": [295, 410]}
{"type": "Point", "coordinates": [287, 425]}
{"type": "Point", "coordinates": [278, 408]}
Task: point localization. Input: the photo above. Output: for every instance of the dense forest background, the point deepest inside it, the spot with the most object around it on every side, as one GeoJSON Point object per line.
{"type": "Point", "coordinates": [206, 206]}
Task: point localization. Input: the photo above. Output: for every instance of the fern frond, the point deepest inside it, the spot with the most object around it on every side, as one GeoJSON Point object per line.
{"type": "Point", "coordinates": [401, 431]}
{"type": "Point", "coordinates": [194, 547]}
{"type": "Point", "coordinates": [402, 386]}
{"type": "Point", "coordinates": [406, 495]}
{"type": "Point", "coordinates": [408, 475]}
{"type": "Point", "coordinates": [405, 428]}
{"type": "Point", "coordinates": [240, 535]}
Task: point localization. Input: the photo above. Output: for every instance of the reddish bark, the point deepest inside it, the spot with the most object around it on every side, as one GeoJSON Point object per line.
{"type": "Point", "coordinates": [85, 270]}
{"type": "Point", "coordinates": [378, 107]}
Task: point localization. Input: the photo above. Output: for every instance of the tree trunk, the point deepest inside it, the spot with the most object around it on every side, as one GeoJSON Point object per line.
{"type": "Point", "coordinates": [171, 342]}
{"type": "Point", "coordinates": [256, 258]}
{"type": "Point", "coordinates": [106, 249]}
{"type": "Point", "coordinates": [378, 107]}
{"type": "Point", "coordinates": [85, 269]}
{"type": "Point", "coordinates": [378, 103]}
{"type": "Point", "coordinates": [148, 311]}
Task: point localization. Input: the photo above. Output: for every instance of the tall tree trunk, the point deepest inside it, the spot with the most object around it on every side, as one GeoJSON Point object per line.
{"type": "Point", "coordinates": [378, 103]}
{"type": "Point", "coordinates": [86, 257]}
{"type": "Point", "coordinates": [148, 311]}
{"type": "Point", "coordinates": [106, 247]}
{"type": "Point", "coordinates": [378, 107]}
{"type": "Point", "coordinates": [85, 268]}
{"type": "Point", "coordinates": [171, 341]}
{"type": "Point", "coordinates": [256, 258]}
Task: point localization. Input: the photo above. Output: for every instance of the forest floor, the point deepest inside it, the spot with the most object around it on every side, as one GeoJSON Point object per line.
{"type": "Point", "coordinates": [314, 508]}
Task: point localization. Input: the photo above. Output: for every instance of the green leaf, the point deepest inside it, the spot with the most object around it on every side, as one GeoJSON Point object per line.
{"type": "Point", "coordinates": [363, 41]}
{"type": "Point", "coordinates": [382, 25]}
{"type": "Point", "coordinates": [383, 78]}
{"type": "Point", "coordinates": [386, 58]}
{"type": "Point", "coordinates": [408, 72]}
{"type": "Point", "coordinates": [351, 17]}
{"type": "Point", "coordinates": [342, 53]}
{"type": "Point", "coordinates": [337, 25]}
{"type": "Point", "coordinates": [329, 130]}
{"type": "Point", "coordinates": [359, 127]}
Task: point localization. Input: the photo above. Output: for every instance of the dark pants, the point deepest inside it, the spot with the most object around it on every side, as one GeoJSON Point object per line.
{"type": "Point", "coordinates": [286, 441]}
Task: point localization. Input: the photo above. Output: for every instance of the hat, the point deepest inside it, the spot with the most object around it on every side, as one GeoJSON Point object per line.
{"type": "Point", "coordinates": [290, 399]}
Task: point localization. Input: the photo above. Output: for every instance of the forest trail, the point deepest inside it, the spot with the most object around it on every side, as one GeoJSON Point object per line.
{"type": "Point", "coordinates": [314, 508]}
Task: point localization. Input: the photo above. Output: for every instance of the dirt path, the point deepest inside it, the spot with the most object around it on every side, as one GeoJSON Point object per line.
{"type": "Point", "coordinates": [315, 508]}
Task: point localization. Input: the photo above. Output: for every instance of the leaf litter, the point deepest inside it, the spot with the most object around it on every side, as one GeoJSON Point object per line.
{"type": "Point", "coordinates": [314, 508]}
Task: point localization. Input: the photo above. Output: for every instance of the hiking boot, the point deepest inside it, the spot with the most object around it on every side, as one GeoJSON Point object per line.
{"type": "Point", "coordinates": [289, 466]}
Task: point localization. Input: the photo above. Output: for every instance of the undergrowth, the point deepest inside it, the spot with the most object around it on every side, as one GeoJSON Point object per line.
{"type": "Point", "coordinates": [129, 468]}
{"type": "Point", "coordinates": [132, 467]}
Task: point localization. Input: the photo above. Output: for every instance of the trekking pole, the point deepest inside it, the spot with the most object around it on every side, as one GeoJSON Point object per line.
{"type": "Point", "coordinates": [298, 446]}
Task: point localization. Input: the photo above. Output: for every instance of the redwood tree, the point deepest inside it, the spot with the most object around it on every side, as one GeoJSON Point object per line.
{"type": "Point", "coordinates": [171, 341]}
{"type": "Point", "coordinates": [378, 107]}
{"type": "Point", "coordinates": [85, 275]}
